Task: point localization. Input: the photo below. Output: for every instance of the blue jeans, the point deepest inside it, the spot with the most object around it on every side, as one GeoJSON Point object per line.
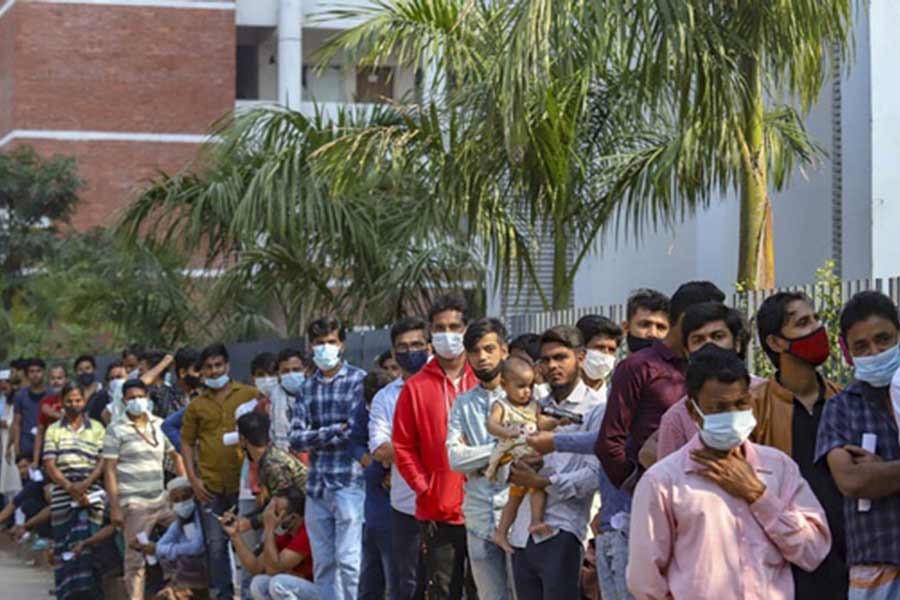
{"type": "Point", "coordinates": [334, 524]}
{"type": "Point", "coordinates": [217, 546]}
{"type": "Point", "coordinates": [282, 587]}
{"type": "Point", "coordinates": [376, 563]}
{"type": "Point", "coordinates": [251, 539]}
{"type": "Point", "coordinates": [490, 570]}
{"type": "Point", "coordinates": [612, 559]}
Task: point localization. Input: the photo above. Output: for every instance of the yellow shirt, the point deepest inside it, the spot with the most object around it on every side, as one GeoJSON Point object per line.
{"type": "Point", "coordinates": [206, 420]}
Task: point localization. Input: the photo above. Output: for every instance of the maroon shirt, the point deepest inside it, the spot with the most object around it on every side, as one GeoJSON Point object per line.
{"type": "Point", "coordinates": [643, 388]}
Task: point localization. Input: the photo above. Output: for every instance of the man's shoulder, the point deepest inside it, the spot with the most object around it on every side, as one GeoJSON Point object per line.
{"type": "Point", "coordinates": [354, 372]}
{"type": "Point", "coordinates": [388, 392]}
{"type": "Point", "coordinates": [847, 398]}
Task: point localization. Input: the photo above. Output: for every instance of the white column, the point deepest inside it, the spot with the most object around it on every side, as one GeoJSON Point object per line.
{"type": "Point", "coordinates": [290, 53]}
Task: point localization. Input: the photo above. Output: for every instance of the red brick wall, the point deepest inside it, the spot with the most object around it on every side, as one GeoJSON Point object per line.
{"type": "Point", "coordinates": [7, 68]}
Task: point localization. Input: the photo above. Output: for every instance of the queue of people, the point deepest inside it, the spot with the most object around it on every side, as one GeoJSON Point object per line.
{"type": "Point", "coordinates": [591, 460]}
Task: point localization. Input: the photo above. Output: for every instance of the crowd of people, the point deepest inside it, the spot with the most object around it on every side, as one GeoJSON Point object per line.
{"type": "Point", "coordinates": [592, 460]}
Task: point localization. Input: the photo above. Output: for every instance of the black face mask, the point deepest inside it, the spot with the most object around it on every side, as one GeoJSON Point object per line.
{"type": "Point", "coordinates": [192, 381]}
{"type": "Point", "coordinates": [638, 343]}
{"type": "Point", "coordinates": [86, 379]}
{"type": "Point", "coordinates": [72, 413]}
{"type": "Point", "coordinates": [487, 375]}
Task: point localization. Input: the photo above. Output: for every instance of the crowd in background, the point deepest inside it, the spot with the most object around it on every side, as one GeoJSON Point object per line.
{"type": "Point", "coordinates": [592, 460]}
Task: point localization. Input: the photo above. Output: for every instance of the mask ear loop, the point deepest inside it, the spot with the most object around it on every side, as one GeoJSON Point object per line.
{"type": "Point", "coordinates": [844, 350]}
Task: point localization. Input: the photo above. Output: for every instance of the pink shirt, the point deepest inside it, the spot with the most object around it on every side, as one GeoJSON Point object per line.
{"type": "Point", "coordinates": [690, 539]}
{"type": "Point", "coordinates": [677, 427]}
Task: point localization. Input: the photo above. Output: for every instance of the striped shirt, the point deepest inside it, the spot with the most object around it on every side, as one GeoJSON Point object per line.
{"type": "Point", "coordinates": [140, 457]}
{"type": "Point", "coordinates": [76, 452]}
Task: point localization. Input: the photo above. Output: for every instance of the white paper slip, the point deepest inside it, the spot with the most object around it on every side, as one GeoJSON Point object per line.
{"type": "Point", "coordinates": [67, 556]}
{"type": "Point", "coordinates": [35, 475]}
{"type": "Point", "coordinates": [19, 517]}
{"type": "Point", "coordinates": [868, 444]}
{"type": "Point", "coordinates": [189, 531]}
{"type": "Point", "coordinates": [34, 431]}
{"type": "Point", "coordinates": [143, 539]}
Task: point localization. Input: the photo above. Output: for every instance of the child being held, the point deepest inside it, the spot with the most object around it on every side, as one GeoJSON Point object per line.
{"type": "Point", "coordinates": [511, 419]}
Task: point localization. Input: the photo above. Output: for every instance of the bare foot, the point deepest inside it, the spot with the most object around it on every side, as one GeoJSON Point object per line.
{"type": "Point", "coordinates": [500, 539]}
{"type": "Point", "coordinates": [540, 529]}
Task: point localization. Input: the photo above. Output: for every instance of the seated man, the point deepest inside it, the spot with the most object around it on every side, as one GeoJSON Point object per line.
{"type": "Point", "coordinates": [181, 550]}
{"type": "Point", "coordinates": [283, 570]}
{"type": "Point", "coordinates": [723, 517]}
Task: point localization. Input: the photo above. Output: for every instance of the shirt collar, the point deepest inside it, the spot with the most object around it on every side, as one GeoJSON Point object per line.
{"type": "Point", "coordinates": [750, 454]}
{"type": "Point", "coordinates": [85, 424]}
{"type": "Point", "coordinates": [665, 353]}
{"type": "Point", "coordinates": [341, 373]}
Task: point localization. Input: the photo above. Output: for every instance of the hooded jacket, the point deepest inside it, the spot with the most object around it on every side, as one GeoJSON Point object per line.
{"type": "Point", "coordinates": [420, 442]}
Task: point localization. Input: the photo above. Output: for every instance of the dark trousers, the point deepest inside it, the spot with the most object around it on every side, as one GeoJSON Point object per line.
{"type": "Point", "coordinates": [375, 571]}
{"type": "Point", "coordinates": [407, 567]}
{"type": "Point", "coordinates": [549, 570]}
{"type": "Point", "coordinates": [445, 560]}
{"type": "Point", "coordinates": [217, 545]}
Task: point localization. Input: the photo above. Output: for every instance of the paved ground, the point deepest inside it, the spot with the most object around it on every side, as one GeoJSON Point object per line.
{"type": "Point", "coordinates": [17, 580]}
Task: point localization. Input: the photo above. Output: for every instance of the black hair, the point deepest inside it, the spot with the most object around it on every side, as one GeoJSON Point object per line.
{"type": "Point", "coordinates": [264, 361]}
{"type": "Point", "coordinates": [449, 302]}
{"type": "Point", "coordinates": [529, 343]}
{"type": "Point", "coordinates": [382, 359]}
{"type": "Point", "coordinates": [692, 292]}
{"type": "Point", "coordinates": [482, 327]}
{"type": "Point", "coordinates": [296, 499]}
{"type": "Point", "coordinates": [374, 381]}
{"type": "Point", "coordinates": [131, 384]}
{"type": "Point", "coordinates": [133, 350]}
{"type": "Point", "coordinates": [772, 316]}
{"type": "Point", "coordinates": [699, 315]}
{"type": "Point", "coordinates": [324, 326]}
{"type": "Point", "coordinates": [152, 357]}
{"type": "Point", "coordinates": [114, 364]}
{"type": "Point", "coordinates": [60, 366]}
{"type": "Point", "coordinates": [35, 362]}
{"type": "Point", "coordinates": [868, 304]}
{"type": "Point", "coordinates": [212, 351]}
{"type": "Point", "coordinates": [565, 335]}
{"type": "Point", "coordinates": [289, 353]}
{"type": "Point", "coordinates": [68, 389]}
{"type": "Point", "coordinates": [714, 363]}
{"type": "Point", "coordinates": [591, 326]}
{"type": "Point", "coordinates": [186, 358]}
{"type": "Point", "coordinates": [84, 358]}
{"type": "Point", "coordinates": [647, 299]}
{"type": "Point", "coordinates": [19, 363]}
{"type": "Point", "coordinates": [407, 324]}
{"type": "Point", "coordinates": [255, 427]}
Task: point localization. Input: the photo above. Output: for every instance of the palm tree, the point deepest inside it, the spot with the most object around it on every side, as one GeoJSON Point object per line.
{"type": "Point", "coordinates": [267, 219]}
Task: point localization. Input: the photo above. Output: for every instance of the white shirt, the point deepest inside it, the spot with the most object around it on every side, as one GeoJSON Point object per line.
{"type": "Point", "coordinates": [381, 425]}
{"type": "Point", "coordinates": [573, 477]}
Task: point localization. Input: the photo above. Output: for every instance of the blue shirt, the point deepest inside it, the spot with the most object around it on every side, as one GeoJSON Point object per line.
{"type": "Point", "coordinates": [175, 543]}
{"type": "Point", "coordinates": [323, 418]}
{"type": "Point", "coordinates": [469, 447]}
{"type": "Point", "coordinates": [378, 501]}
{"type": "Point", "coordinates": [172, 428]}
{"type": "Point", "coordinates": [29, 408]}
{"type": "Point", "coordinates": [873, 537]}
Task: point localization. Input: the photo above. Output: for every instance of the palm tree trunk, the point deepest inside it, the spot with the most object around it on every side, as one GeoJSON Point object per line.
{"type": "Point", "coordinates": [756, 262]}
{"type": "Point", "coordinates": [562, 282]}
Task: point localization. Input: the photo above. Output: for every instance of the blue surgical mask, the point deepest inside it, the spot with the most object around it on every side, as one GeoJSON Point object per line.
{"type": "Point", "coordinates": [727, 430]}
{"type": "Point", "coordinates": [138, 406]}
{"type": "Point", "coordinates": [877, 370]}
{"type": "Point", "coordinates": [327, 356]}
{"type": "Point", "coordinates": [216, 383]}
{"type": "Point", "coordinates": [293, 382]}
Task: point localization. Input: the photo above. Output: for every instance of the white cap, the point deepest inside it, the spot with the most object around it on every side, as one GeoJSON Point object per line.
{"type": "Point", "coordinates": [5, 374]}
{"type": "Point", "coordinates": [178, 483]}
{"type": "Point", "coordinates": [245, 409]}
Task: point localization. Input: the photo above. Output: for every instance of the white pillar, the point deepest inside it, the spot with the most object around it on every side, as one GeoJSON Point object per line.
{"type": "Point", "coordinates": [290, 53]}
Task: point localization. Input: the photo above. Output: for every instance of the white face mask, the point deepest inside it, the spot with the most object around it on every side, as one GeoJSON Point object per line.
{"type": "Point", "coordinates": [293, 382]}
{"type": "Point", "coordinates": [598, 365]}
{"type": "Point", "coordinates": [266, 384]}
{"type": "Point", "coordinates": [138, 406]}
{"type": "Point", "coordinates": [216, 383]}
{"type": "Point", "coordinates": [327, 356]}
{"type": "Point", "coordinates": [727, 430]}
{"type": "Point", "coordinates": [184, 509]}
{"type": "Point", "coordinates": [448, 345]}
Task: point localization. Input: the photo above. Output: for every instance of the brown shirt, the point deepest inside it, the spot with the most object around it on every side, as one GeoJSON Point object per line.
{"type": "Point", "coordinates": [205, 422]}
{"type": "Point", "coordinates": [773, 407]}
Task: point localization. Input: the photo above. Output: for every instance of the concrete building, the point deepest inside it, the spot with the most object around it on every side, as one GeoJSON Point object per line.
{"type": "Point", "coordinates": [131, 87]}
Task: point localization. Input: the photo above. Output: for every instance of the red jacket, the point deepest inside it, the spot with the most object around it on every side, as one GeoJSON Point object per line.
{"type": "Point", "coordinates": [420, 442]}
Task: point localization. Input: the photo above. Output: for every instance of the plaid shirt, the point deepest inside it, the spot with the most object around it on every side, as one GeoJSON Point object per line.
{"type": "Point", "coordinates": [323, 418]}
{"type": "Point", "coordinates": [873, 537]}
{"type": "Point", "coordinates": [166, 400]}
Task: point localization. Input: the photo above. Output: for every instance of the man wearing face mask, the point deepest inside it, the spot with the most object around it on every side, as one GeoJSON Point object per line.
{"type": "Point", "coordinates": [723, 517]}
{"type": "Point", "coordinates": [187, 385]}
{"type": "Point", "coordinates": [646, 319]}
{"type": "Point", "coordinates": [469, 446]}
{"type": "Point", "coordinates": [321, 425]}
{"type": "Point", "coordinates": [410, 345]}
{"type": "Point", "coordinates": [420, 451]}
{"type": "Point", "coordinates": [788, 408]}
{"type": "Point", "coordinates": [85, 368]}
{"type": "Point", "coordinates": [134, 453]}
{"type": "Point", "coordinates": [858, 441]}
{"type": "Point", "coordinates": [602, 338]}
{"type": "Point", "coordinates": [289, 382]}
{"type": "Point", "coordinates": [212, 462]}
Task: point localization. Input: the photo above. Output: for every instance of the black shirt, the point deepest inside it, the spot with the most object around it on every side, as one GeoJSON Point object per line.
{"type": "Point", "coordinates": [831, 579]}
{"type": "Point", "coordinates": [95, 405]}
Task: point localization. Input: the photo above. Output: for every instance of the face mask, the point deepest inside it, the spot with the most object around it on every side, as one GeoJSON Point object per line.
{"type": "Point", "coordinates": [327, 356]}
{"type": "Point", "coordinates": [813, 349]}
{"type": "Point", "coordinates": [487, 375]}
{"type": "Point", "coordinates": [216, 383]}
{"type": "Point", "coordinates": [72, 412]}
{"type": "Point", "coordinates": [266, 384]}
{"type": "Point", "coordinates": [137, 406]}
{"type": "Point", "coordinates": [448, 345]}
{"type": "Point", "coordinates": [293, 382]}
{"type": "Point", "coordinates": [724, 431]}
{"type": "Point", "coordinates": [877, 370]}
{"type": "Point", "coordinates": [635, 344]}
{"type": "Point", "coordinates": [184, 509]}
{"type": "Point", "coordinates": [412, 362]}
{"type": "Point", "coordinates": [598, 365]}
{"type": "Point", "coordinates": [86, 379]}
{"type": "Point", "coordinates": [54, 391]}
{"type": "Point", "coordinates": [192, 381]}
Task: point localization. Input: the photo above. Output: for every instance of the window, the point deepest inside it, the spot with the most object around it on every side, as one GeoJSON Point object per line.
{"type": "Point", "coordinates": [247, 72]}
